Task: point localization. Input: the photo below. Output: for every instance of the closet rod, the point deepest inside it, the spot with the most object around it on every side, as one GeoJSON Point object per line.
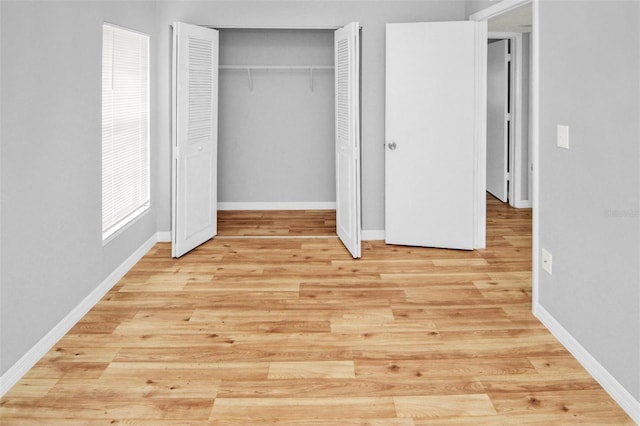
{"type": "Point", "coordinates": [249, 68]}
{"type": "Point", "coordinates": [276, 67]}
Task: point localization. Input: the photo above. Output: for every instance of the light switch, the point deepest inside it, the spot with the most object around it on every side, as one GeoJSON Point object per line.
{"type": "Point", "coordinates": [563, 136]}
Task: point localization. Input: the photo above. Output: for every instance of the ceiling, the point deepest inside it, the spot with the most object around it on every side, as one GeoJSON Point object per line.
{"type": "Point", "coordinates": [516, 20]}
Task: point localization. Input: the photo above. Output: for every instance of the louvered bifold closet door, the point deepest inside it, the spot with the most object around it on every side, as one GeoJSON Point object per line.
{"type": "Point", "coordinates": [347, 87]}
{"type": "Point", "coordinates": [195, 147]}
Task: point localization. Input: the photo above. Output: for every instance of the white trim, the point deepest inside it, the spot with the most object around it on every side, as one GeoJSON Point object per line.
{"type": "Point", "coordinates": [523, 204]}
{"type": "Point", "coordinates": [534, 146]}
{"type": "Point", "coordinates": [501, 34]}
{"type": "Point", "coordinates": [174, 135]}
{"type": "Point", "coordinates": [125, 223]}
{"type": "Point", "coordinates": [480, 145]}
{"type": "Point", "coordinates": [274, 237]}
{"type": "Point", "coordinates": [37, 351]}
{"type": "Point", "coordinates": [372, 234]}
{"type": "Point", "coordinates": [367, 235]}
{"type": "Point", "coordinates": [498, 9]}
{"type": "Point", "coordinates": [518, 119]}
{"type": "Point", "coordinates": [626, 401]}
{"type": "Point", "coordinates": [298, 205]}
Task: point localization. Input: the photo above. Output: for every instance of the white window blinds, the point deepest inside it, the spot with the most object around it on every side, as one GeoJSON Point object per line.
{"type": "Point", "coordinates": [125, 127]}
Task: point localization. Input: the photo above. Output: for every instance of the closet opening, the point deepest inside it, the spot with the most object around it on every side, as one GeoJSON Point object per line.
{"type": "Point", "coordinates": [276, 134]}
{"type": "Point", "coordinates": [263, 122]}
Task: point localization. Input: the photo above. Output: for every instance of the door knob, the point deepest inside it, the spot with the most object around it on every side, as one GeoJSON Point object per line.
{"type": "Point", "coordinates": [392, 146]}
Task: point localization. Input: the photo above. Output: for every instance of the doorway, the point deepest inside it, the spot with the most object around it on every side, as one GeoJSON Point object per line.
{"type": "Point", "coordinates": [521, 16]}
{"type": "Point", "coordinates": [276, 119]}
{"type": "Point", "coordinates": [508, 116]}
{"type": "Point", "coordinates": [276, 167]}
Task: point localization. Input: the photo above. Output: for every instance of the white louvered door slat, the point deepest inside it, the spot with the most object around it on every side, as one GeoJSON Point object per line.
{"type": "Point", "coordinates": [347, 87]}
{"type": "Point", "coordinates": [194, 212]}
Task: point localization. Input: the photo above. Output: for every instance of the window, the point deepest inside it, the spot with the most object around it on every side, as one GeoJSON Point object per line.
{"type": "Point", "coordinates": [125, 127]}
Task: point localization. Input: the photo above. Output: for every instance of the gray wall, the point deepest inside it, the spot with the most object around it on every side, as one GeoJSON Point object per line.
{"type": "Point", "coordinates": [276, 142]}
{"type": "Point", "coordinates": [473, 6]}
{"type": "Point", "coordinates": [590, 194]}
{"type": "Point", "coordinates": [372, 15]}
{"type": "Point", "coordinates": [52, 255]}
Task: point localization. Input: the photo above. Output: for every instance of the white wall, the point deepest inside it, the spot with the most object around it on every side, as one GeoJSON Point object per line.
{"type": "Point", "coordinates": [276, 142]}
{"type": "Point", "coordinates": [371, 14]}
{"type": "Point", "coordinates": [590, 194]}
{"type": "Point", "coordinates": [51, 248]}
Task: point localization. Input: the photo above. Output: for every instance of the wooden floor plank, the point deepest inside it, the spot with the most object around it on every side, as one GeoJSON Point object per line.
{"type": "Point", "coordinates": [303, 408]}
{"type": "Point", "coordinates": [418, 407]}
{"type": "Point", "coordinates": [311, 370]}
{"type": "Point", "coordinates": [286, 328]}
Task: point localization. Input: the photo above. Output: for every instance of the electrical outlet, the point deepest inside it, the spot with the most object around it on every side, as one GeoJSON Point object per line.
{"type": "Point", "coordinates": [562, 136]}
{"type": "Point", "coordinates": [547, 261]}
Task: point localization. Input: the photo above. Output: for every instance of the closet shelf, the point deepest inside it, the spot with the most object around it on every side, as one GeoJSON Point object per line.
{"type": "Point", "coordinates": [249, 68]}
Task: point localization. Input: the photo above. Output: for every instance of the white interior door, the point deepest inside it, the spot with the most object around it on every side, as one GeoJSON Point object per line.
{"type": "Point", "coordinates": [347, 86]}
{"type": "Point", "coordinates": [195, 145]}
{"type": "Point", "coordinates": [433, 135]}
{"type": "Point", "coordinates": [497, 119]}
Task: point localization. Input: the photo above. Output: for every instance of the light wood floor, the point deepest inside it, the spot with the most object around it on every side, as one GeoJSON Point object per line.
{"type": "Point", "coordinates": [293, 331]}
{"type": "Point", "coordinates": [277, 223]}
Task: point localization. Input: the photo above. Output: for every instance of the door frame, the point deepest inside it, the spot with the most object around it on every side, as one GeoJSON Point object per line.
{"type": "Point", "coordinates": [329, 205]}
{"type": "Point", "coordinates": [485, 15]}
{"type": "Point", "coordinates": [480, 145]}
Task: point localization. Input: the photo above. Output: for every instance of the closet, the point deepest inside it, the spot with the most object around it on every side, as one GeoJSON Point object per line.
{"type": "Point", "coordinates": [276, 129]}
{"type": "Point", "coordinates": [264, 119]}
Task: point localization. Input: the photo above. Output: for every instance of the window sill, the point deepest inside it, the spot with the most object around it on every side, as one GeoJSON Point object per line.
{"type": "Point", "coordinates": [125, 223]}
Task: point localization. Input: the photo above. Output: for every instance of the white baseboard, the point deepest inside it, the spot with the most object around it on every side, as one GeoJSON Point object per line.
{"type": "Point", "coordinates": [523, 204]}
{"type": "Point", "coordinates": [367, 235]}
{"type": "Point", "coordinates": [372, 234]}
{"type": "Point", "coordinates": [28, 360]}
{"type": "Point", "coordinates": [599, 373]}
{"type": "Point", "coordinates": [323, 205]}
